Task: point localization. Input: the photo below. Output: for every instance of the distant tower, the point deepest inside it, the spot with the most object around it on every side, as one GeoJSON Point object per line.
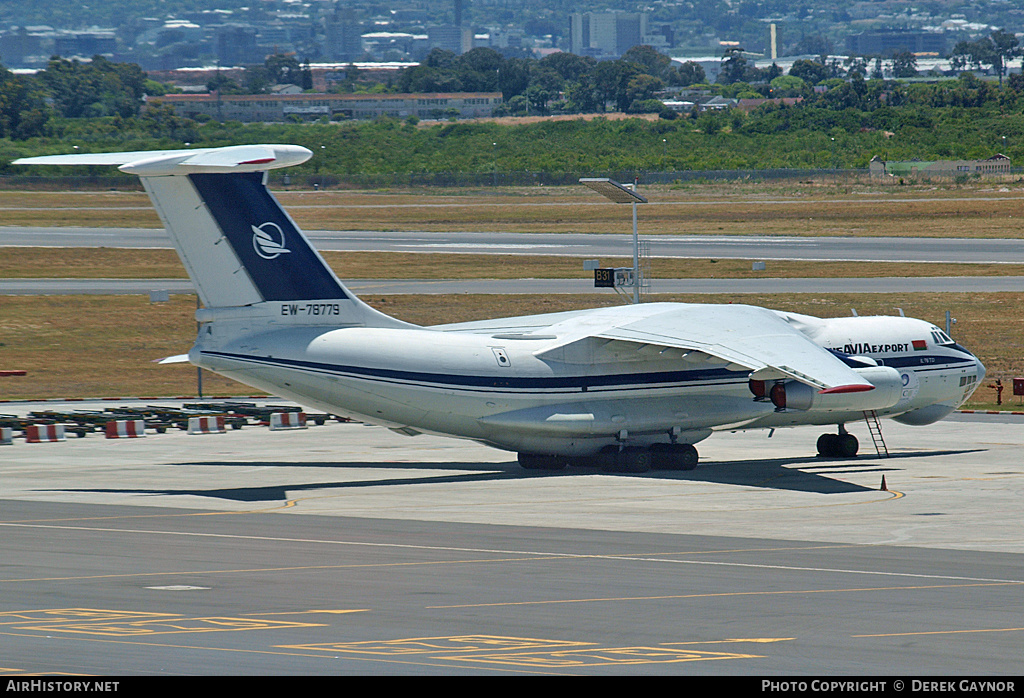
{"type": "Point", "coordinates": [774, 41]}
{"type": "Point", "coordinates": [343, 35]}
{"type": "Point", "coordinates": [458, 13]}
{"type": "Point", "coordinates": [604, 34]}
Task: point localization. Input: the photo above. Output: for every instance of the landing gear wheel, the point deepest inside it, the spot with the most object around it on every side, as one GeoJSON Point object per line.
{"type": "Point", "coordinates": [843, 445]}
{"type": "Point", "coordinates": [533, 461]}
{"type": "Point", "coordinates": [827, 445]}
{"type": "Point", "coordinates": [674, 457]}
{"type": "Point", "coordinates": [634, 460]}
{"type": "Point", "coordinates": [847, 446]}
{"type": "Point", "coordinates": [628, 460]}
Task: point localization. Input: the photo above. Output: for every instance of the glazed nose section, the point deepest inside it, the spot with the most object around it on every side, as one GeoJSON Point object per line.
{"type": "Point", "coordinates": [980, 368]}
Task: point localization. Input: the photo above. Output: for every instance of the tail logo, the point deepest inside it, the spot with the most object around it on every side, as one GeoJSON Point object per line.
{"type": "Point", "coordinates": [268, 240]}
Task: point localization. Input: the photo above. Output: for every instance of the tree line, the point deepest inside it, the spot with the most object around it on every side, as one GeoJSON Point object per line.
{"type": "Point", "coordinates": [69, 89]}
{"type": "Point", "coordinates": [842, 128]}
{"type": "Point", "coordinates": [97, 106]}
{"type": "Point", "coordinates": [560, 82]}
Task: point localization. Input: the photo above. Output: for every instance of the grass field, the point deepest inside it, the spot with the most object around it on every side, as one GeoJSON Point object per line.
{"type": "Point", "coordinates": [977, 210]}
{"type": "Point", "coordinates": [110, 263]}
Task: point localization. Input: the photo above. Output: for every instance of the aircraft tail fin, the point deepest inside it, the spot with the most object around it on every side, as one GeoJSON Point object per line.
{"type": "Point", "coordinates": [237, 243]}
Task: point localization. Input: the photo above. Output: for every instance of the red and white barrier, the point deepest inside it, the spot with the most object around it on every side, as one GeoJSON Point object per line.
{"type": "Point", "coordinates": [126, 429]}
{"type": "Point", "coordinates": [206, 425]}
{"type": "Point", "coordinates": [44, 433]}
{"type": "Point", "coordinates": [6, 436]}
{"type": "Point", "coordinates": [287, 420]}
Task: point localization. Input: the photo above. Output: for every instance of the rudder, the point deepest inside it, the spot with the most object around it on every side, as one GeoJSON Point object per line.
{"type": "Point", "coordinates": [277, 257]}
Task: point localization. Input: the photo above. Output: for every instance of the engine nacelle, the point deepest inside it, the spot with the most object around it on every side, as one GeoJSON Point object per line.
{"type": "Point", "coordinates": [794, 395]}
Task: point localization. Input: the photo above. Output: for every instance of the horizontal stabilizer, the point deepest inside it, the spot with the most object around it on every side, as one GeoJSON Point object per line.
{"type": "Point", "coordinates": [153, 163]}
{"type": "Point", "coordinates": [176, 359]}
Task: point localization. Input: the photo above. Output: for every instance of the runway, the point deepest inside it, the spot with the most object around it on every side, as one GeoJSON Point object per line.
{"type": "Point", "coordinates": [910, 250]}
{"type": "Point", "coordinates": [947, 284]}
{"type": "Point", "coordinates": [347, 549]}
{"type": "Point", "coordinates": [852, 249]}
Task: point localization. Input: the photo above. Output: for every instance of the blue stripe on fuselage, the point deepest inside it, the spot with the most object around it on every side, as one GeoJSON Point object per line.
{"type": "Point", "coordinates": [470, 382]}
{"type": "Point", "coordinates": [928, 361]}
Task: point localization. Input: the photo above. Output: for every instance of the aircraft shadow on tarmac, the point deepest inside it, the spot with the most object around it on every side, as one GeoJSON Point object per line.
{"type": "Point", "coordinates": [803, 474]}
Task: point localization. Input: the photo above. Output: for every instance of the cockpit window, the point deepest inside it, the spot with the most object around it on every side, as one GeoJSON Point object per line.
{"type": "Point", "coordinates": [941, 338]}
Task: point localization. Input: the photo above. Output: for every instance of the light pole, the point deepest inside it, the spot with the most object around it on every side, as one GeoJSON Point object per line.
{"type": "Point", "coordinates": [621, 194]}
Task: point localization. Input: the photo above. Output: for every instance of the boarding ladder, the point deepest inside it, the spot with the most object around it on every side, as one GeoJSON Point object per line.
{"type": "Point", "coordinates": [875, 429]}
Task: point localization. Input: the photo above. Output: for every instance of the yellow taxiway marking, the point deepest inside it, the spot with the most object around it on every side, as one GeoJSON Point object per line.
{"type": "Point", "coordinates": [528, 654]}
{"type": "Point", "coordinates": [418, 661]}
{"type": "Point", "coordinates": [432, 645]}
{"type": "Point", "coordinates": [887, 496]}
{"type": "Point", "coordinates": [30, 522]}
{"type": "Point", "coordinates": [96, 621]}
{"type": "Point", "coordinates": [166, 626]}
{"type": "Point", "coordinates": [532, 653]}
{"type": "Point", "coordinates": [337, 611]}
{"type": "Point", "coordinates": [946, 632]}
{"type": "Point", "coordinates": [68, 615]}
{"type": "Point", "coordinates": [790, 592]}
{"type": "Point", "coordinates": [246, 570]}
{"type": "Point", "coordinates": [516, 555]}
{"type": "Point", "coordinates": [761, 640]}
{"type": "Point", "coordinates": [608, 656]}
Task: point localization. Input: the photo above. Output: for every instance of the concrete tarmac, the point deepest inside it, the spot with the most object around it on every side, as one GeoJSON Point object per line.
{"type": "Point", "coordinates": [348, 549]}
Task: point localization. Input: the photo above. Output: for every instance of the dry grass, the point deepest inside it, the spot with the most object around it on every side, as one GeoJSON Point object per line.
{"type": "Point", "coordinates": [109, 263]}
{"type": "Point", "coordinates": [97, 346]}
{"type": "Point", "coordinates": [88, 263]}
{"type": "Point", "coordinates": [727, 209]}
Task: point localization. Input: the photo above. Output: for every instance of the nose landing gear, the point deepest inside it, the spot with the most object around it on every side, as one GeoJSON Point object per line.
{"type": "Point", "coordinates": [841, 445]}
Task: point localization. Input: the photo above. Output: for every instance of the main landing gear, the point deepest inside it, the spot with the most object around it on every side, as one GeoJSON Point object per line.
{"type": "Point", "coordinates": [841, 445]}
{"type": "Point", "coordinates": [631, 459]}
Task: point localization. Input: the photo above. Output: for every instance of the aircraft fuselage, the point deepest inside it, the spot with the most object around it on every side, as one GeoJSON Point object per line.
{"type": "Point", "coordinates": [493, 387]}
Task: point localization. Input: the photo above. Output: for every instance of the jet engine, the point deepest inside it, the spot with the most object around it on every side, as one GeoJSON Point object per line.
{"type": "Point", "coordinates": [794, 395]}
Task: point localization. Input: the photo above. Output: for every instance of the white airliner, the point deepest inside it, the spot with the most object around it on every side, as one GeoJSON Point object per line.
{"type": "Point", "coordinates": [625, 388]}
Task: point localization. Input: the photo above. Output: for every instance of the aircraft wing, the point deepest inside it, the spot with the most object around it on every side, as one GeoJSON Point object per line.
{"type": "Point", "coordinates": [747, 336]}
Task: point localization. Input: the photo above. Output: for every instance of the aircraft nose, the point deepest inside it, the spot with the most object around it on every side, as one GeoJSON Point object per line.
{"type": "Point", "coordinates": [980, 370]}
